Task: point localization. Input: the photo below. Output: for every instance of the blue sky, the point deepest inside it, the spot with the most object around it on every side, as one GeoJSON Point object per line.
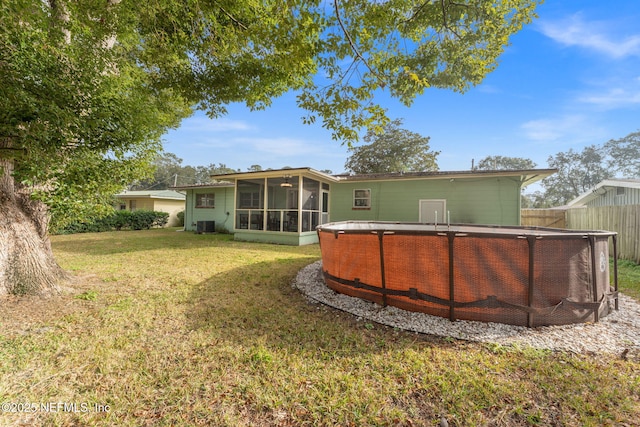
{"type": "Point", "coordinates": [568, 80]}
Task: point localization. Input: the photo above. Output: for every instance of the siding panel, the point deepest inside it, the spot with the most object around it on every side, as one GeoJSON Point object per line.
{"type": "Point", "coordinates": [223, 204]}
{"type": "Point", "coordinates": [478, 201]}
{"type": "Point", "coordinates": [631, 196]}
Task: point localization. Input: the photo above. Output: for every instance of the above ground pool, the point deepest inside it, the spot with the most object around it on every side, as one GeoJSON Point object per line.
{"type": "Point", "coordinates": [526, 276]}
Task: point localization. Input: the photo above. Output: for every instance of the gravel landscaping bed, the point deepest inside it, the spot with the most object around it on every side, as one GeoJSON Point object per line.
{"type": "Point", "coordinates": [617, 333]}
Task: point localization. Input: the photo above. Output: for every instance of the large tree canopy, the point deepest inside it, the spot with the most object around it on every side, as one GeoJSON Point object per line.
{"type": "Point", "coordinates": [336, 54]}
{"type": "Point", "coordinates": [89, 86]}
{"type": "Point", "coordinates": [393, 150]}
{"type": "Point", "coordinates": [581, 171]}
{"type": "Point", "coordinates": [505, 163]}
{"type": "Point", "coordinates": [577, 173]}
{"type": "Point", "coordinates": [624, 155]}
{"type": "Point", "coordinates": [169, 171]}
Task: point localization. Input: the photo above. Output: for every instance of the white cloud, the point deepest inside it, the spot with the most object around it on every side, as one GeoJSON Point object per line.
{"type": "Point", "coordinates": [567, 129]}
{"type": "Point", "coordinates": [285, 147]}
{"type": "Point", "coordinates": [205, 124]}
{"type": "Point", "coordinates": [280, 146]}
{"type": "Point", "coordinates": [541, 130]}
{"type": "Point", "coordinates": [487, 88]}
{"type": "Point", "coordinates": [596, 36]}
{"type": "Point", "coordinates": [612, 98]}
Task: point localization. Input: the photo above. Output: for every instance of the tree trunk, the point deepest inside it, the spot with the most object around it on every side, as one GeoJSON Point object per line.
{"type": "Point", "coordinates": [27, 265]}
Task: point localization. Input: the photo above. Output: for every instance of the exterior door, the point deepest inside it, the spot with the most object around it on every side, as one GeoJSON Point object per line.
{"type": "Point", "coordinates": [433, 211]}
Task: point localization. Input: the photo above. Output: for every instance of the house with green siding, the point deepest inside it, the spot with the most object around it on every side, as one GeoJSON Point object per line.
{"type": "Point", "coordinates": [285, 206]}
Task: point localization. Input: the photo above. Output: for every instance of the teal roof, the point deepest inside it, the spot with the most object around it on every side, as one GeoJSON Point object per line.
{"type": "Point", "coordinates": [151, 194]}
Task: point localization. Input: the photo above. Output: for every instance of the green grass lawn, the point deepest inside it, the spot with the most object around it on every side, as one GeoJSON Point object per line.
{"type": "Point", "coordinates": [629, 278]}
{"type": "Point", "coordinates": [170, 328]}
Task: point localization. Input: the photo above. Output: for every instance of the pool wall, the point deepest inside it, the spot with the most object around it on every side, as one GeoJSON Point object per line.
{"type": "Point", "coordinates": [525, 276]}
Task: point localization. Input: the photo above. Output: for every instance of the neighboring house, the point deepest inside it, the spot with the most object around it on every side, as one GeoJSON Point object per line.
{"type": "Point", "coordinates": [610, 192]}
{"type": "Point", "coordinates": [285, 206]}
{"type": "Point", "coordinates": [169, 201]}
{"type": "Point", "coordinates": [613, 205]}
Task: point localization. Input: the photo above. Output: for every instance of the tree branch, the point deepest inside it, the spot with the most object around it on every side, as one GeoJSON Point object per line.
{"type": "Point", "coordinates": [445, 24]}
{"type": "Point", "coordinates": [354, 48]}
{"type": "Point", "coordinates": [230, 16]}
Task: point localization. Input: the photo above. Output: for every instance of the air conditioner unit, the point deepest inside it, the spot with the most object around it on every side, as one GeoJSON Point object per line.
{"type": "Point", "coordinates": [205, 227]}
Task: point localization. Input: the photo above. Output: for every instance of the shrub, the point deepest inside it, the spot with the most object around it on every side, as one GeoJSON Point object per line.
{"type": "Point", "coordinates": [160, 219]}
{"type": "Point", "coordinates": [221, 229]}
{"type": "Point", "coordinates": [180, 216]}
{"type": "Point", "coordinates": [142, 219]}
{"type": "Point", "coordinates": [119, 220]}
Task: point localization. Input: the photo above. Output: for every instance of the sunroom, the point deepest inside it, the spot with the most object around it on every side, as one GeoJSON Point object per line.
{"type": "Point", "coordinates": [280, 206]}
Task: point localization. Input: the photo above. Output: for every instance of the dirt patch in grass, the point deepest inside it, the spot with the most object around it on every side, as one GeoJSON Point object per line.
{"type": "Point", "coordinates": [34, 314]}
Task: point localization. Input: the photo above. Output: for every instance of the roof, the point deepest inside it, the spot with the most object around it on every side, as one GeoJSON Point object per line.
{"type": "Point", "coordinates": [526, 176]}
{"type": "Point", "coordinates": [592, 194]}
{"type": "Point", "coordinates": [151, 194]}
{"type": "Point", "coordinates": [272, 173]}
{"type": "Point", "coordinates": [207, 185]}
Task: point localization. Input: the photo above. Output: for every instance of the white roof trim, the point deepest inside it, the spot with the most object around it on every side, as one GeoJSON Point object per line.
{"type": "Point", "coordinates": [592, 194]}
{"type": "Point", "coordinates": [276, 173]}
{"type": "Point", "coordinates": [526, 176]}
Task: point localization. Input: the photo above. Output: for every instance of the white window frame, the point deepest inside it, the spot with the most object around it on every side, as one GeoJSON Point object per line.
{"type": "Point", "coordinates": [366, 199]}
{"type": "Point", "coordinates": [205, 197]}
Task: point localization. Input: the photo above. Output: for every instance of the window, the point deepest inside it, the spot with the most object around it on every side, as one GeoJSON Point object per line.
{"type": "Point", "coordinates": [205, 200]}
{"type": "Point", "coordinates": [619, 191]}
{"type": "Point", "coordinates": [362, 199]}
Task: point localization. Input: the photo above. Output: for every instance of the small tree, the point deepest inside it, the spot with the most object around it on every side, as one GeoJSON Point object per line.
{"type": "Point", "coordinates": [624, 155]}
{"type": "Point", "coordinates": [577, 173]}
{"type": "Point", "coordinates": [505, 163]}
{"type": "Point", "coordinates": [393, 150]}
{"type": "Point", "coordinates": [168, 171]}
{"type": "Point", "coordinates": [203, 173]}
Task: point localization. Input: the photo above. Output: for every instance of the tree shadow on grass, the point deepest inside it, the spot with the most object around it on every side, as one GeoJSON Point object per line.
{"type": "Point", "coordinates": [115, 242]}
{"type": "Point", "coordinates": [282, 354]}
{"type": "Point", "coordinates": [258, 303]}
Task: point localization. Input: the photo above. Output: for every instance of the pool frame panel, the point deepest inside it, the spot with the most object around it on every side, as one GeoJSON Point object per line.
{"type": "Point", "coordinates": [562, 312]}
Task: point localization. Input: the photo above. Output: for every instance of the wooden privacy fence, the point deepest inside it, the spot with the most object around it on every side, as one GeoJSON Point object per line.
{"type": "Point", "coordinates": [625, 220]}
{"type": "Point", "coordinates": [543, 218]}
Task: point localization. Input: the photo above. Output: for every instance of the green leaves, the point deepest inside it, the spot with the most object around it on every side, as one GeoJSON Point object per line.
{"type": "Point", "coordinates": [89, 87]}
{"type": "Point", "coordinates": [337, 56]}
{"type": "Point", "coordinates": [624, 155]}
{"type": "Point", "coordinates": [406, 47]}
{"type": "Point", "coordinates": [84, 113]}
{"type": "Point", "coordinates": [392, 150]}
{"type": "Point", "coordinates": [577, 173]}
{"type": "Point", "coordinates": [505, 163]}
